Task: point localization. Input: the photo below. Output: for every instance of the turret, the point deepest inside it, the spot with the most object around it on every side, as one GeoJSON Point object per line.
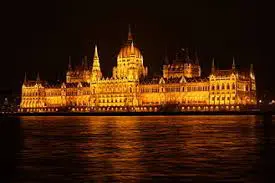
{"type": "Point", "coordinates": [25, 78]}
{"type": "Point", "coordinates": [233, 64]}
{"type": "Point", "coordinates": [213, 66]}
{"type": "Point", "coordinates": [96, 71]}
{"type": "Point", "coordinates": [69, 64]}
{"type": "Point", "coordinates": [252, 75]}
{"type": "Point", "coordinates": [38, 78]}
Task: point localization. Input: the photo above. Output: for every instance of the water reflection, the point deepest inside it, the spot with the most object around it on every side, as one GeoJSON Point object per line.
{"type": "Point", "coordinates": [135, 149]}
{"type": "Point", "coordinates": [11, 142]}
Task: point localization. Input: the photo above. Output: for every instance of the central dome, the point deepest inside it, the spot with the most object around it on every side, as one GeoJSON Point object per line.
{"type": "Point", "coordinates": [129, 48]}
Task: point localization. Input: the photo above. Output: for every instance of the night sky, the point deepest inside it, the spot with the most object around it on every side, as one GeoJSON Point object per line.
{"type": "Point", "coordinates": [39, 37]}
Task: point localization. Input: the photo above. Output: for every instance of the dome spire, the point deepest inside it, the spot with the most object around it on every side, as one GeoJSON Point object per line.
{"type": "Point", "coordinates": [130, 37]}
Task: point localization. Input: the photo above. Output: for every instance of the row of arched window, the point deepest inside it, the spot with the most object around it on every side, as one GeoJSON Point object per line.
{"type": "Point", "coordinates": [222, 98]}
{"type": "Point", "coordinates": [30, 93]}
{"type": "Point", "coordinates": [111, 100]}
{"type": "Point", "coordinates": [197, 88]}
{"type": "Point", "coordinates": [223, 86]}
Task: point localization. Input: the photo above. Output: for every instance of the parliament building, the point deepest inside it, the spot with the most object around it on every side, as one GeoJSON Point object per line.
{"type": "Point", "coordinates": [131, 89]}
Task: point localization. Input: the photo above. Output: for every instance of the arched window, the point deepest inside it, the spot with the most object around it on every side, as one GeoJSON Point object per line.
{"type": "Point", "coordinates": [130, 90]}
{"type": "Point", "coordinates": [223, 86]}
{"type": "Point", "coordinates": [227, 86]}
{"type": "Point", "coordinates": [213, 87]}
{"type": "Point", "coordinates": [246, 88]}
{"type": "Point", "coordinates": [218, 87]}
{"type": "Point", "coordinates": [233, 86]}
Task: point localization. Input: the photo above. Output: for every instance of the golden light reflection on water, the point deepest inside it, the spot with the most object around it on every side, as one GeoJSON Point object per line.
{"type": "Point", "coordinates": [116, 149]}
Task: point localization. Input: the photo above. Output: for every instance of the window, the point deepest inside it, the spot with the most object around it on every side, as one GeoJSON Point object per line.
{"type": "Point", "coordinates": [213, 87]}
{"type": "Point", "coordinates": [218, 87]}
{"type": "Point", "coordinates": [233, 86]}
{"type": "Point", "coordinates": [228, 98]}
{"type": "Point", "coordinates": [213, 98]}
{"type": "Point", "coordinates": [222, 86]}
{"type": "Point", "coordinates": [227, 87]}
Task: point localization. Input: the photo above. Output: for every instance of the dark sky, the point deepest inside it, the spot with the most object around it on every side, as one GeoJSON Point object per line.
{"type": "Point", "coordinates": [39, 37]}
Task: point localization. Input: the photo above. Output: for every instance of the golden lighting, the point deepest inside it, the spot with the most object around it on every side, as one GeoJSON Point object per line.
{"type": "Point", "coordinates": [129, 88]}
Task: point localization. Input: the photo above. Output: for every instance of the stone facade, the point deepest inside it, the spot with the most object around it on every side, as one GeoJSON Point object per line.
{"type": "Point", "coordinates": [130, 89]}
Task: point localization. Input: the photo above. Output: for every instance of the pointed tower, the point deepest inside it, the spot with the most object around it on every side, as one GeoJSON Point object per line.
{"type": "Point", "coordinates": [213, 66]}
{"type": "Point", "coordinates": [25, 78]}
{"type": "Point", "coordinates": [252, 75]}
{"type": "Point", "coordinates": [38, 78]}
{"type": "Point", "coordinates": [233, 64]}
{"type": "Point", "coordinates": [69, 64]}
{"type": "Point", "coordinates": [96, 71]}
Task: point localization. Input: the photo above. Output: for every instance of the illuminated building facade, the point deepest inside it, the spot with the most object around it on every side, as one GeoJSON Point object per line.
{"type": "Point", "coordinates": [130, 89]}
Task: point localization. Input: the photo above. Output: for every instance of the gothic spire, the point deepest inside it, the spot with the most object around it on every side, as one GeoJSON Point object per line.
{"type": "Point", "coordinates": [130, 37]}
{"type": "Point", "coordinates": [252, 75]}
{"type": "Point", "coordinates": [233, 64]}
{"type": "Point", "coordinates": [251, 69]}
{"type": "Point", "coordinates": [96, 71]}
{"type": "Point", "coordinates": [213, 66]}
{"type": "Point", "coordinates": [37, 78]}
{"type": "Point", "coordinates": [69, 64]}
{"type": "Point", "coordinates": [96, 53]}
{"type": "Point", "coordinates": [25, 77]}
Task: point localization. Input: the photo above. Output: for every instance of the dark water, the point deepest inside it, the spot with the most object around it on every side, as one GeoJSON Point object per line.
{"type": "Point", "coordinates": [137, 149]}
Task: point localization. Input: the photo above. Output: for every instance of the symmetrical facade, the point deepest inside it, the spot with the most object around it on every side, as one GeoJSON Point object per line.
{"type": "Point", "coordinates": [130, 89]}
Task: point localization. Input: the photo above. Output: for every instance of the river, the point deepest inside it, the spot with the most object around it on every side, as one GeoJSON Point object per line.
{"type": "Point", "coordinates": [137, 149]}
